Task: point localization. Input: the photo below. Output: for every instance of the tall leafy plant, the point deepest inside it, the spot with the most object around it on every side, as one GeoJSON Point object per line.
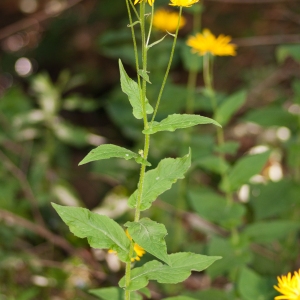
{"type": "Point", "coordinates": [142, 234]}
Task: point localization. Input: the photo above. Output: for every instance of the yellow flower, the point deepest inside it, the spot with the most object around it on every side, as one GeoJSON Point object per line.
{"type": "Point", "coordinates": [165, 20]}
{"type": "Point", "coordinates": [208, 43]}
{"type": "Point", "coordinates": [149, 1]}
{"type": "Point", "coordinates": [137, 249]}
{"type": "Point", "coordinates": [288, 286]}
{"type": "Point", "coordinates": [185, 3]}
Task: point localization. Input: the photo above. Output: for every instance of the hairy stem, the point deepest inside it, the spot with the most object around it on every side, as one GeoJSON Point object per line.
{"type": "Point", "coordinates": [146, 145]}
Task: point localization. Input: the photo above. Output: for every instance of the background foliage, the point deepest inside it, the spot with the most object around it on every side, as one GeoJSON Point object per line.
{"type": "Point", "coordinates": [60, 97]}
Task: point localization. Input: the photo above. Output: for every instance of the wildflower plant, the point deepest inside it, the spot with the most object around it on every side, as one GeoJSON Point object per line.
{"type": "Point", "coordinates": [142, 234]}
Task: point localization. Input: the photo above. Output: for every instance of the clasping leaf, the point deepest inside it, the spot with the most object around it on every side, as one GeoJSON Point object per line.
{"type": "Point", "coordinates": [101, 231]}
{"type": "Point", "coordinates": [151, 236]}
{"type": "Point", "coordinates": [131, 89]}
{"type": "Point", "coordinates": [108, 150]}
{"type": "Point", "coordinates": [161, 179]}
{"type": "Point", "coordinates": [177, 121]}
{"type": "Point", "coordinates": [181, 266]}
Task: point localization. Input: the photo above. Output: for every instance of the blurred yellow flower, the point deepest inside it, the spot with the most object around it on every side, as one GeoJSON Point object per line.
{"type": "Point", "coordinates": [185, 3]}
{"type": "Point", "coordinates": [288, 286]}
{"type": "Point", "coordinates": [149, 1]}
{"type": "Point", "coordinates": [137, 249]}
{"type": "Point", "coordinates": [165, 20]}
{"type": "Point", "coordinates": [208, 43]}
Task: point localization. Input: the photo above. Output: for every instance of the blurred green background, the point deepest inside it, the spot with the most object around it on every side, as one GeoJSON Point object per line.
{"type": "Point", "coordinates": [60, 96]}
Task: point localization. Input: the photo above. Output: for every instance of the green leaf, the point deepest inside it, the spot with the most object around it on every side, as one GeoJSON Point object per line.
{"type": "Point", "coordinates": [263, 201]}
{"type": "Point", "coordinates": [234, 256]}
{"type": "Point", "coordinates": [251, 286]}
{"type": "Point", "coordinates": [178, 121]}
{"type": "Point", "coordinates": [271, 116]}
{"type": "Point", "coordinates": [243, 170]}
{"type": "Point", "coordinates": [268, 231]}
{"type": "Point", "coordinates": [108, 150]}
{"type": "Point", "coordinates": [213, 294]}
{"type": "Point", "coordinates": [108, 293]}
{"type": "Point", "coordinates": [131, 89]}
{"type": "Point", "coordinates": [229, 107]}
{"type": "Point", "coordinates": [229, 147]}
{"type": "Point", "coordinates": [113, 293]}
{"type": "Point", "coordinates": [101, 231]}
{"type": "Point", "coordinates": [160, 179]}
{"type": "Point", "coordinates": [144, 75]}
{"type": "Point", "coordinates": [181, 266]}
{"type": "Point", "coordinates": [179, 298]}
{"type": "Point", "coordinates": [213, 163]}
{"type": "Point", "coordinates": [284, 51]}
{"type": "Point", "coordinates": [214, 207]}
{"type": "Point", "coordinates": [151, 236]}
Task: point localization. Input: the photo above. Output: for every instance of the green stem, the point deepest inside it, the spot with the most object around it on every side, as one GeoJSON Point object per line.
{"type": "Point", "coordinates": [191, 86]}
{"type": "Point", "coordinates": [208, 81]}
{"type": "Point", "coordinates": [151, 23]}
{"type": "Point", "coordinates": [146, 146]}
{"type": "Point", "coordinates": [134, 41]}
{"type": "Point", "coordinates": [134, 9]}
{"type": "Point", "coordinates": [168, 68]}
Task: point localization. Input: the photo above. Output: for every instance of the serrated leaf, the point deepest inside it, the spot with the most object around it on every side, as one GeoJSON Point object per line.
{"type": "Point", "coordinates": [243, 170]}
{"type": "Point", "coordinates": [108, 293]}
{"type": "Point", "coordinates": [101, 231]}
{"type": "Point", "coordinates": [144, 75]}
{"type": "Point", "coordinates": [151, 236]}
{"type": "Point", "coordinates": [108, 150]}
{"type": "Point", "coordinates": [229, 107]}
{"type": "Point", "coordinates": [131, 89]}
{"type": "Point", "coordinates": [178, 121]}
{"type": "Point", "coordinates": [113, 293]}
{"type": "Point", "coordinates": [181, 266]}
{"type": "Point", "coordinates": [160, 179]}
{"type": "Point", "coordinates": [179, 298]}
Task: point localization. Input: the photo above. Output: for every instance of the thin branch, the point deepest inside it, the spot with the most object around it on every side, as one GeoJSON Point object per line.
{"type": "Point", "coordinates": [13, 219]}
{"type": "Point", "coordinates": [18, 174]}
{"type": "Point", "coordinates": [34, 20]}
{"type": "Point", "coordinates": [268, 40]}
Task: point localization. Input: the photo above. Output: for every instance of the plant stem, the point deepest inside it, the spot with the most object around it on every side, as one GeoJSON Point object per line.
{"type": "Point", "coordinates": [151, 23]}
{"type": "Point", "coordinates": [134, 42]}
{"type": "Point", "coordinates": [146, 146]}
{"type": "Point", "coordinates": [191, 86]}
{"type": "Point", "coordinates": [168, 68]}
{"type": "Point", "coordinates": [192, 77]}
{"type": "Point", "coordinates": [208, 81]}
